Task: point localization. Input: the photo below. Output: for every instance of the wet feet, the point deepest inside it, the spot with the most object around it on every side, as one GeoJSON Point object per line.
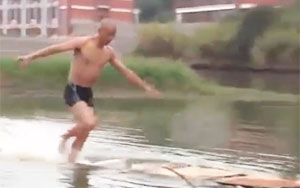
{"type": "Point", "coordinates": [73, 156]}
{"type": "Point", "coordinates": [62, 146]}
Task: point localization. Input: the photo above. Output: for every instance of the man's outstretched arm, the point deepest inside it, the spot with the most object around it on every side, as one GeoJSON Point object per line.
{"type": "Point", "coordinates": [133, 77]}
{"type": "Point", "coordinates": [53, 49]}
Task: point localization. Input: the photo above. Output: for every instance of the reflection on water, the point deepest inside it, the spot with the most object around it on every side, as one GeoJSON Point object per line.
{"type": "Point", "coordinates": [238, 135]}
{"type": "Point", "coordinates": [279, 82]}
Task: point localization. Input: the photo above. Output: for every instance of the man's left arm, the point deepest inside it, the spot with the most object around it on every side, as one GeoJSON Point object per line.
{"type": "Point", "coordinates": [132, 77]}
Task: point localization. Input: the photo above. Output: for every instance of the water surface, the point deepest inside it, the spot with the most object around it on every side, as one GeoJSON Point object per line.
{"type": "Point", "coordinates": [251, 137]}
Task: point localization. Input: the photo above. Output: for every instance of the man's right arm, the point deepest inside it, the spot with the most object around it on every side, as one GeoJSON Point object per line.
{"type": "Point", "coordinates": [53, 49]}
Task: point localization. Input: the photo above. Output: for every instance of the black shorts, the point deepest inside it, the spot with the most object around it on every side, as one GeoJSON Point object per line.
{"type": "Point", "coordinates": [74, 93]}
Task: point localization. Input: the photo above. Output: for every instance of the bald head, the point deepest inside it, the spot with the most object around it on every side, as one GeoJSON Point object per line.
{"type": "Point", "coordinates": [107, 31]}
{"type": "Point", "coordinates": [108, 26]}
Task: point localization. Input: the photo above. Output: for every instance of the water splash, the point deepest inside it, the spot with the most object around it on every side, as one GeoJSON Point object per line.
{"type": "Point", "coordinates": [31, 139]}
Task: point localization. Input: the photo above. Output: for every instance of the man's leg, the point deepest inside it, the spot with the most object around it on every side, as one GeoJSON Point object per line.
{"type": "Point", "coordinates": [77, 145]}
{"type": "Point", "coordinates": [86, 121]}
{"type": "Point", "coordinates": [71, 133]}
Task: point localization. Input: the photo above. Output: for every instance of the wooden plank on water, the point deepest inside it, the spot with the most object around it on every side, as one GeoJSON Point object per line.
{"type": "Point", "coordinates": [260, 182]}
{"type": "Point", "coordinates": [191, 172]}
{"type": "Point", "coordinates": [220, 176]}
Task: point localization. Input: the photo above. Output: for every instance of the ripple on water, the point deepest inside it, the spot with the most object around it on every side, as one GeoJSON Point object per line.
{"type": "Point", "coordinates": [29, 156]}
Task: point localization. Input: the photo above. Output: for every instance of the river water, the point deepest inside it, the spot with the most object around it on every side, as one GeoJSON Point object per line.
{"type": "Point", "coordinates": [244, 136]}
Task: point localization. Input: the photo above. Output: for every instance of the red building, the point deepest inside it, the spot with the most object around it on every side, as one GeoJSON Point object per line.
{"type": "Point", "coordinates": [48, 17]}
{"type": "Point", "coordinates": [96, 10]}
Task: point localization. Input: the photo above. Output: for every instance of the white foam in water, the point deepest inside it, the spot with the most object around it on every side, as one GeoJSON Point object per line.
{"type": "Point", "coordinates": [33, 139]}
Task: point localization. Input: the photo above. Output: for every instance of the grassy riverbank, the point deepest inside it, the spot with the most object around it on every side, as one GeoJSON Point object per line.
{"type": "Point", "coordinates": [51, 73]}
{"type": "Point", "coordinates": [47, 77]}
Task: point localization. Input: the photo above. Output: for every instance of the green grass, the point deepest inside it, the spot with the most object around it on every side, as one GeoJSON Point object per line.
{"type": "Point", "coordinates": [53, 72]}
{"type": "Point", "coordinates": [50, 72]}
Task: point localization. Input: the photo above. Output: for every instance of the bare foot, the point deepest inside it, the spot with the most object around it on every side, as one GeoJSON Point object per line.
{"type": "Point", "coordinates": [73, 155]}
{"type": "Point", "coordinates": [62, 146]}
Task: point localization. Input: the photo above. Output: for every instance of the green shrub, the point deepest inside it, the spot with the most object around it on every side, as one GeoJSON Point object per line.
{"type": "Point", "coordinates": [162, 41]}
{"type": "Point", "coordinates": [210, 42]}
{"type": "Point", "coordinates": [253, 25]}
{"type": "Point", "coordinates": [155, 10]}
{"type": "Point", "coordinates": [231, 42]}
{"type": "Point", "coordinates": [215, 32]}
{"type": "Point", "coordinates": [289, 17]}
{"type": "Point", "coordinates": [257, 40]}
{"type": "Point", "coordinates": [277, 48]}
{"type": "Point", "coordinates": [261, 37]}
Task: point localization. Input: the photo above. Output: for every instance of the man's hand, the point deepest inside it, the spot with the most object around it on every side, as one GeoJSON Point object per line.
{"type": "Point", "coordinates": [152, 92]}
{"type": "Point", "coordinates": [24, 60]}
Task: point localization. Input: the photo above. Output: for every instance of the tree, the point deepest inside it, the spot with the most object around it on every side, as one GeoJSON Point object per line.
{"type": "Point", "coordinates": [155, 10]}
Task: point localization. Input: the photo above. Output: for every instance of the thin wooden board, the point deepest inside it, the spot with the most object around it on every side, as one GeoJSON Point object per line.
{"type": "Point", "coordinates": [260, 182]}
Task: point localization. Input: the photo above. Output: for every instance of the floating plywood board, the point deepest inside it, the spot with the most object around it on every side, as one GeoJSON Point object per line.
{"type": "Point", "coordinates": [220, 176]}
{"type": "Point", "coordinates": [187, 172]}
{"type": "Point", "coordinates": [260, 182]}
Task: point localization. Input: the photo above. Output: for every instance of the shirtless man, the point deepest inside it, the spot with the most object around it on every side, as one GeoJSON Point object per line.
{"type": "Point", "coordinates": [91, 53]}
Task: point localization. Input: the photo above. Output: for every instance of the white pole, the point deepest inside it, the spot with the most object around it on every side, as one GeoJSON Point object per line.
{"type": "Point", "coordinates": [44, 17]}
{"type": "Point", "coordinates": [136, 14]}
{"type": "Point", "coordinates": [179, 17]}
{"type": "Point", "coordinates": [4, 16]}
{"type": "Point", "coordinates": [23, 18]}
{"type": "Point", "coordinates": [237, 5]}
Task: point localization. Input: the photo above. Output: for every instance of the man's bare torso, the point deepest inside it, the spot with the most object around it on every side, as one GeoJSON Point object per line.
{"type": "Point", "coordinates": [90, 56]}
{"type": "Point", "coordinates": [88, 62]}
